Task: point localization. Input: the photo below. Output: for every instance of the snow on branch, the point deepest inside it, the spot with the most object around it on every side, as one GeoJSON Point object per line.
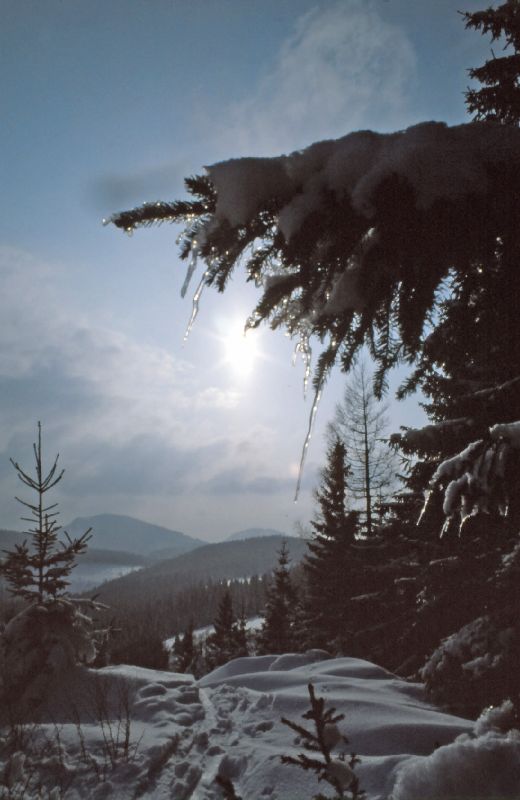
{"type": "Point", "coordinates": [358, 232]}
{"type": "Point", "coordinates": [475, 480]}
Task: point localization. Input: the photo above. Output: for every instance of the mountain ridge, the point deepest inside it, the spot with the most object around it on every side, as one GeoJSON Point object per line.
{"type": "Point", "coordinates": [215, 561]}
{"type": "Point", "coordinates": [129, 534]}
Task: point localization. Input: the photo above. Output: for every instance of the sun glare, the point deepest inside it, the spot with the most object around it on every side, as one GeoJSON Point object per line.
{"type": "Point", "coordinates": [240, 350]}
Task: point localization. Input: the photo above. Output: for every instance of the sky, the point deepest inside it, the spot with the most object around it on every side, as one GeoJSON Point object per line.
{"type": "Point", "coordinates": [107, 105]}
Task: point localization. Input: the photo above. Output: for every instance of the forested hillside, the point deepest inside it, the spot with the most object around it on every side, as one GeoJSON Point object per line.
{"type": "Point", "coordinates": [161, 600]}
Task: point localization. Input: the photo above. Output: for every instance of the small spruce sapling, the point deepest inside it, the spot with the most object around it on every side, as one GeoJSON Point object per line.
{"type": "Point", "coordinates": [52, 632]}
{"type": "Point", "coordinates": [338, 772]}
{"type": "Point", "coordinates": [39, 572]}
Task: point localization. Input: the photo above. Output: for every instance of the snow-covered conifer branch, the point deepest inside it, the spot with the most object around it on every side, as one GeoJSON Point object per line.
{"type": "Point", "coordinates": [364, 229]}
{"type": "Point", "coordinates": [476, 479]}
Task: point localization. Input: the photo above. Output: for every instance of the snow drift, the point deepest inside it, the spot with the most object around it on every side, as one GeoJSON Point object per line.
{"type": "Point", "coordinates": [183, 733]}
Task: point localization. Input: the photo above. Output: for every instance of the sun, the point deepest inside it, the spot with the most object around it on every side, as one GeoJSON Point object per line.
{"type": "Point", "coordinates": [240, 350]}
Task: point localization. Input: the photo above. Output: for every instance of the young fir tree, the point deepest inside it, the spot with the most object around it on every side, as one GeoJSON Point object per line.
{"type": "Point", "coordinates": [53, 631]}
{"type": "Point", "coordinates": [37, 571]}
{"type": "Point", "coordinates": [277, 633]}
{"type": "Point", "coordinates": [330, 573]}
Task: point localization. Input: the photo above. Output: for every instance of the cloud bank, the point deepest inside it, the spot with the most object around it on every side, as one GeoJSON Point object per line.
{"type": "Point", "coordinates": [135, 424]}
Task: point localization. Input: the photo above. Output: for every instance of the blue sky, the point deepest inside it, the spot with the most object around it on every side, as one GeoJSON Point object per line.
{"type": "Point", "coordinates": [106, 105]}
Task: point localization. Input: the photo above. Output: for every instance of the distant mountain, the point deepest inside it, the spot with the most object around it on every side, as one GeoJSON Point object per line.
{"type": "Point", "coordinates": [219, 561]}
{"type": "Point", "coordinates": [118, 532]}
{"type": "Point", "coordinates": [254, 533]}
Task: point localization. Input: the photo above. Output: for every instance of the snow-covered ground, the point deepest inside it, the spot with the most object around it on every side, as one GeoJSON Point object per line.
{"type": "Point", "coordinates": [178, 734]}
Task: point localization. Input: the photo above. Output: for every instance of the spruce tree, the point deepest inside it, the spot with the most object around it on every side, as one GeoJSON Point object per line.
{"type": "Point", "coordinates": [329, 567]}
{"type": "Point", "coordinates": [499, 96]}
{"type": "Point", "coordinates": [38, 570]}
{"type": "Point", "coordinates": [229, 638]}
{"type": "Point", "coordinates": [277, 633]}
{"type": "Point", "coordinates": [53, 631]}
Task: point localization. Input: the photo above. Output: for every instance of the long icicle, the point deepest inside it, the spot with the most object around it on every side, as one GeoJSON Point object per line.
{"type": "Point", "coordinates": [189, 272]}
{"type": "Point", "coordinates": [303, 347]}
{"type": "Point", "coordinates": [195, 306]}
{"type": "Point", "coordinates": [312, 417]}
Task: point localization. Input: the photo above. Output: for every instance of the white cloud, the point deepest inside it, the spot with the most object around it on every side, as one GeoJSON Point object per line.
{"type": "Point", "coordinates": [45, 334]}
{"type": "Point", "coordinates": [344, 68]}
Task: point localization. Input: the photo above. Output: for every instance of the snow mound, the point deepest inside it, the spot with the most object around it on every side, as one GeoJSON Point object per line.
{"type": "Point", "coordinates": [486, 768]}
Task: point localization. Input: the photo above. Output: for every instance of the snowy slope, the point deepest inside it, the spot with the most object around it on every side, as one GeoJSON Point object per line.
{"type": "Point", "coordinates": [229, 723]}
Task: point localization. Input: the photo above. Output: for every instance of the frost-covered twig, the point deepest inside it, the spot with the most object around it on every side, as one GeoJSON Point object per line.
{"type": "Point", "coordinates": [338, 772]}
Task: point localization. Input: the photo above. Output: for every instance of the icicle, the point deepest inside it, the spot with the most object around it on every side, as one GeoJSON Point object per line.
{"type": "Point", "coordinates": [427, 496]}
{"type": "Point", "coordinates": [195, 306]}
{"type": "Point", "coordinates": [312, 417]}
{"type": "Point", "coordinates": [189, 272]}
{"type": "Point", "coordinates": [303, 347]}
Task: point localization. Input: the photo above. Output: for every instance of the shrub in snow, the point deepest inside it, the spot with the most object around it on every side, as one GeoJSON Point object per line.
{"type": "Point", "coordinates": [53, 631]}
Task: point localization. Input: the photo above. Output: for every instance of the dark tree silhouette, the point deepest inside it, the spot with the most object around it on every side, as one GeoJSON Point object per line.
{"type": "Point", "coordinates": [328, 567]}
{"type": "Point", "coordinates": [499, 96]}
{"type": "Point", "coordinates": [229, 638]}
{"type": "Point", "coordinates": [277, 634]}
